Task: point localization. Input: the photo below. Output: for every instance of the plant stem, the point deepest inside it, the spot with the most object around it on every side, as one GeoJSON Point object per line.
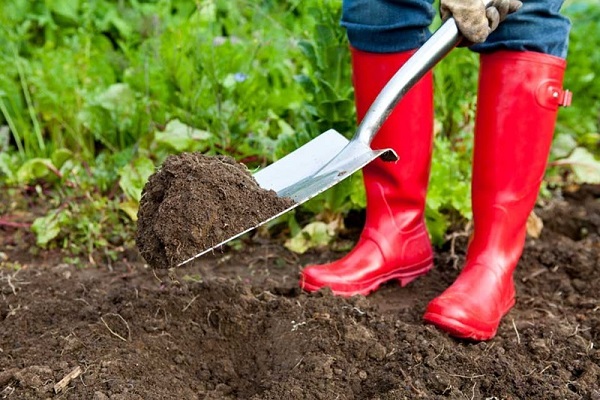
{"type": "Point", "coordinates": [12, 127]}
{"type": "Point", "coordinates": [36, 124]}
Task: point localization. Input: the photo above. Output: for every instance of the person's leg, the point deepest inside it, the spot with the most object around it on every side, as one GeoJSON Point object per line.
{"type": "Point", "coordinates": [387, 26]}
{"type": "Point", "coordinates": [537, 26]}
{"type": "Point", "coordinates": [520, 90]}
{"type": "Point", "coordinates": [394, 243]}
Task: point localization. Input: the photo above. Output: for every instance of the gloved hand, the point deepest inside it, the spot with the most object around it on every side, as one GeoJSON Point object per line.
{"type": "Point", "coordinates": [474, 20]}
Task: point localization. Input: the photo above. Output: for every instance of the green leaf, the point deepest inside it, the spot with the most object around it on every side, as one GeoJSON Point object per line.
{"type": "Point", "coordinates": [8, 166]}
{"type": "Point", "coordinates": [67, 10]}
{"type": "Point", "coordinates": [117, 98]}
{"type": "Point", "coordinates": [48, 227]}
{"type": "Point", "coordinates": [207, 11]}
{"type": "Point", "coordinates": [60, 156]}
{"type": "Point", "coordinates": [4, 137]}
{"type": "Point", "coordinates": [35, 168]}
{"type": "Point", "coordinates": [437, 224]}
{"type": "Point", "coordinates": [585, 167]}
{"type": "Point", "coordinates": [130, 207]}
{"type": "Point", "coordinates": [563, 145]}
{"type": "Point", "coordinates": [181, 137]}
{"type": "Point", "coordinates": [449, 184]}
{"type": "Point", "coordinates": [120, 24]}
{"type": "Point", "coordinates": [110, 114]}
{"type": "Point", "coordinates": [312, 235]}
{"type": "Point", "coordinates": [134, 177]}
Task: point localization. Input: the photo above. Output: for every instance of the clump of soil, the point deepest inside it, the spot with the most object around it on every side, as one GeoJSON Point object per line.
{"type": "Point", "coordinates": [194, 202]}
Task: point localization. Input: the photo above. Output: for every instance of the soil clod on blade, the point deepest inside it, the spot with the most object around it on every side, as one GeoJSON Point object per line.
{"type": "Point", "coordinates": [194, 202]}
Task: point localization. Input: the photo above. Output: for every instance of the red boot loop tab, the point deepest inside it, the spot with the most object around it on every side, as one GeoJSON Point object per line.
{"type": "Point", "coordinates": [565, 98]}
{"type": "Point", "coordinates": [550, 94]}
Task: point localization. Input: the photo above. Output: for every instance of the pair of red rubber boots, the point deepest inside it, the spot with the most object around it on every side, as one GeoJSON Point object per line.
{"type": "Point", "coordinates": [518, 98]}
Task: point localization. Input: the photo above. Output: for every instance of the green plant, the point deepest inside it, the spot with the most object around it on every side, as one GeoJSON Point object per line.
{"type": "Point", "coordinates": [575, 156]}
{"type": "Point", "coordinates": [582, 119]}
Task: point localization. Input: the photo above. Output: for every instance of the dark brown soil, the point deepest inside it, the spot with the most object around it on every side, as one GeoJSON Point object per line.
{"type": "Point", "coordinates": [234, 325]}
{"type": "Point", "coordinates": [195, 202]}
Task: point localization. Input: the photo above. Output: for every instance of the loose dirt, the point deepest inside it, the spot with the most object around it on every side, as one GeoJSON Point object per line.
{"type": "Point", "coordinates": [234, 325]}
{"type": "Point", "coordinates": [194, 202]}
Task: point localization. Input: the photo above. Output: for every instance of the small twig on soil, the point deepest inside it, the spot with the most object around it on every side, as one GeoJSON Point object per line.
{"type": "Point", "coordinates": [358, 310]}
{"type": "Point", "coordinates": [16, 286]}
{"type": "Point", "coordinates": [406, 378]}
{"type": "Point", "coordinates": [208, 317]}
{"type": "Point", "coordinates": [115, 333]}
{"type": "Point", "coordinates": [190, 303]}
{"type": "Point", "coordinates": [83, 301]}
{"type": "Point", "coordinates": [12, 224]}
{"type": "Point", "coordinates": [64, 382]}
{"type": "Point", "coordinates": [164, 314]}
{"type": "Point", "coordinates": [544, 370]}
{"type": "Point", "coordinates": [391, 353]}
{"type": "Point", "coordinates": [467, 377]}
{"type": "Point", "coordinates": [534, 274]}
{"type": "Point", "coordinates": [516, 331]}
{"type": "Point", "coordinates": [576, 330]}
{"type": "Point", "coordinates": [297, 364]}
{"type": "Point", "coordinates": [156, 276]}
{"type": "Point", "coordinates": [545, 311]}
{"type": "Point", "coordinates": [265, 258]}
{"type": "Point", "coordinates": [7, 392]}
{"type": "Point", "coordinates": [420, 393]}
{"type": "Point", "coordinates": [485, 351]}
{"type": "Point", "coordinates": [13, 310]}
{"type": "Point", "coordinates": [12, 287]}
{"type": "Point", "coordinates": [338, 332]}
{"type": "Point", "coordinates": [85, 290]}
{"type": "Point", "coordinates": [453, 237]}
{"type": "Point", "coordinates": [439, 354]}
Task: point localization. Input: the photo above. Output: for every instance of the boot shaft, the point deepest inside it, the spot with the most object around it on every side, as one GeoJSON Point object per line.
{"type": "Point", "coordinates": [518, 99]}
{"type": "Point", "coordinates": [397, 189]}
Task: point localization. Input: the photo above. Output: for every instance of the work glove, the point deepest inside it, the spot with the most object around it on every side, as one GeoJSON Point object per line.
{"type": "Point", "coordinates": [475, 22]}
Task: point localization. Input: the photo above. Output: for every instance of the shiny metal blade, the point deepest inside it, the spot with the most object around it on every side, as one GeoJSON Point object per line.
{"type": "Point", "coordinates": [303, 162]}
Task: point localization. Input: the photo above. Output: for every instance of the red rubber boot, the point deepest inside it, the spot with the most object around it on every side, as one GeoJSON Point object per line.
{"type": "Point", "coordinates": [394, 243]}
{"type": "Point", "coordinates": [519, 95]}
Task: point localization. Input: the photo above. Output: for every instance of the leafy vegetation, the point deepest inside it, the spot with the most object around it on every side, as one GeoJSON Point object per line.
{"type": "Point", "coordinates": [95, 94]}
{"type": "Point", "coordinates": [577, 143]}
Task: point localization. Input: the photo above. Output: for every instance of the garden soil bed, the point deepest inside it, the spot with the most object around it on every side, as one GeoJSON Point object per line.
{"type": "Point", "coordinates": [234, 325]}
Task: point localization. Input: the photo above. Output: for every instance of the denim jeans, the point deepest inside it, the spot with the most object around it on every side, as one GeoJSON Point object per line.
{"type": "Point", "coordinates": [389, 26]}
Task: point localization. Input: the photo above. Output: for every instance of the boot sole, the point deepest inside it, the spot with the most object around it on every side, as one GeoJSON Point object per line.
{"type": "Point", "coordinates": [364, 288]}
{"type": "Point", "coordinates": [461, 330]}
